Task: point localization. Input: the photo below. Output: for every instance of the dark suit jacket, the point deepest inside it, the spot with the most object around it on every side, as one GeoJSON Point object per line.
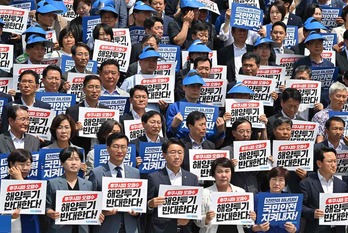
{"type": "Point", "coordinates": [31, 143]}
{"type": "Point", "coordinates": [136, 51]}
{"type": "Point", "coordinates": [295, 20]}
{"type": "Point", "coordinates": [112, 223]}
{"type": "Point", "coordinates": [60, 183]}
{"type": "Point", "coordinates": [4, 117]}
{"type": "Point", "coordinates": [132, 69]}
{"type": "Point", "coordinates": [299, 48]}
{"type": "Point", "coordinates": [125, 117]}
{"type": "Point", "coordinates": [311, 187]}
{"type": "Point", "coordinates": [188, 145]}
{"type": "Point", "coordinates": [225, 56]}
{"type": "Point", "coordinates": [272, 58]}
{"type": "Point", "coordinates": [73, 111]}
{"type": "Point", "coordinates": [165, 225]}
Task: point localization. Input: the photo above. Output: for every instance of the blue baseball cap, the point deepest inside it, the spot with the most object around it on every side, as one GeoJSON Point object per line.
{"type": "Point", "coordinates": [314, 36]}
{"type": "Point", "coordinates": [198, 47]}
{"type": "Point", "coordinates": [149, 51]}
{"type": "Point", "coordinates": [190, 4]}
{"type": "Point", "coordinates": [59, 4]}
{"type": "Point", "coordinates": [44, 7]}
{"type": "Point", "coordinates": [193, 77]}
{"type": "Point", "coordinates": [263, 40]}
{"type": "Point", "coordinates": [110, 8]}
{"type": "Point", "coordinates": [36, 30]}
{"type": "Point", "coordinates": [141, 6]}
{"type": "Point", "coordinates": [313, 24]}
{"type": "Point", "coordinates": [39, 39]}
{"type": "Point", "coordinates": [2, 22]}
{"type": "Point", "coordinates": [240, 88]}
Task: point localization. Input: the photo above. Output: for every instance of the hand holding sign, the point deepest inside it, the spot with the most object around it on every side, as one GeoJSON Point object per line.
{"type": "Point", "coordinates": [156, 201]}
{"type": "Point", "coordinates": [16, 214]}
{"type": "Point", "coordinates": [209, 216]}
{"type": "Point", "coordinates": [109, 212]}
{"type": "Point", "coordinates": [52, 214]}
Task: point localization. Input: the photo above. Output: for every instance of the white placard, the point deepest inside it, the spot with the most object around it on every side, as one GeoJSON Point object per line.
{"type": "Point", "coordinates": [334, 206]}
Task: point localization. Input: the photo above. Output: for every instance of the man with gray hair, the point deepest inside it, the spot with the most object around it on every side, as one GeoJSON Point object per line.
{"type": "Point", "coordinates": [338, 97]}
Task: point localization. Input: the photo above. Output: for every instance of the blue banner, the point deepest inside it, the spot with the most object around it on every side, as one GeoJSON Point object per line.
{"type": "Point", "coordinates": [3, 102]}
{"type": "Point", "coordinates": [136, 34]}
{"type": "Point", "coordinates": [171, 53]}
{"type": "Point", "coordinates": [5, 226]}
{"type": "Point", "coordinates": [49, 164]}
{"type": "Point", "coordinates": [152, 156]}
{"type": "Point", "coordinates": [116, 102]}
{"type": "Point", "coordinates": [165, 39]}
{"type": "Point", "coordinates": [33, 175]}
{"type": "Point", "coordinates": [211, 113]}
{"type": "Point", "coordinates": [291, 38]}
{"type": "Point", "coordinates": [329, 15]}
{"type": "Point", "coordinates": [279, 208]}
{"type": "Point", "coordinates": [59, 102]}
{"type": "Point", "coordinates": [247, 17]}
{"type": "Point", "coordinates": [24, 4]}
{"type": "Point", "coordinates": [68, 63]}
{"type": "Point", "coordinates": [326, 75]}
{"type": "Point", "coordinates": [88, 24]}
{"type": "Point", "coordinates": [331, 40]}
{"type": "Point", "coordinates": [101, 155]}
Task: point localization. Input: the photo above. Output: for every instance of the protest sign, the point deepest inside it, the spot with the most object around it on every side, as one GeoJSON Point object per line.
{"type": "Point", "coordinates": [165, 39]}
{"type": "Point", "coordinates": [248, 109]}
{"type": "Point", "coordinates": [122, 36]}
{"type": "Point", "coordinates": [6, 57]}
{"type": "Point", "coordinates": [27, 195]}
{"type": "Point", "coordinates": [291, 38]}
{"type": "Point", "coordinates": [170, 52]}
{"type": "Point", "coordinates": [50, 36]}
{"type": "Point", "coordinates": [78, 207]}
{"type": "Point", "coordinates": [329, 15]}
{"type": "Point", "coordinates": [279, 208]}
{"type": "Point", "coordinates": [152, 156]}
{"type": "Point", "coordinates": [214, 92]}
{"type": "Point", "coordinates": [133, 129]}
{"type": "Point", "coordinates": [70, 14]}
{"type": "Point", "coordinates": [310, 91]}
{"type": "Point", "coordinates": [246, 16]}
{"type": "Point", "coordinates": [88, 25]}
{"type": "Point", "coordinates": [40, 121]}
{"type": "Point", "coordinates": [137, 34]}
{"type": "Point", "coordinates": [330, 56]}
{"type": "Point", "coordinates": [59, 102]}
{"type": "Point", "coordinates": [252, 155]}
{"type": "Point", "coordinates": [275, 72]}
{"type": "Point", "coordinates": [104, 50]}
{"type": "Point", "coordinates": [293, 154]}
{"type": "Point", "coordinates": [160, 87]}
{"type": "Point", "coordinates": [24, 4]}
{"type": "Point", "coordinates": [232, 208]}
{"type": "Point", "coordinates": [33, 175]}
{"type": "Point", "coordinates": [330, 40]}
{"type": "Point", "coordinates": [15, 19]}
{"type": "Point", "coordinates": [124, 194]}
{"type": "Point", "coordinates": [287, 60]}
{"type": "Point", "coordinates": [342, 162]}
{"type": "Point", "coordinates": [92, 118]}
{"type": "Point", "coordinates": [218, 72]}
{"type": "Point", "coordinates": [76, 85]}
{"type": "Point", "coordinates": [325, 75]}
{"type": "Point", "coordinates": [210, 6]}
{"type": "Point", "coordinates": [344, 116]}
{"type": "Point", "coordinates": [200, 161]}
{"type": "Point", "coordinates": [163, 68]}
{"type": "Point", "coordinates": [6, 84]}
{"type": "Point", "coordinates": [181, 202]}
{"type": "Point", "coordinates": [254, 3]}
{"type": "Point", "coordinates": [262, 88]}
{"type": "Point", "coordinates": [49, 164]}
{"type": "Point", "coordinates": [335, 207]}
{"type": "Point", "coordinates": [304, 131]}
{"type": "Point", "coordinates": [211, 114]}
{"type": "Point", "coordinates": [67, 63]}
{"type": "Point", "coordinates": [121, 103]}
{"type": "Point", "coordinates": [101, 155]}
{"type": "Point", "coordinates": [3, 102]}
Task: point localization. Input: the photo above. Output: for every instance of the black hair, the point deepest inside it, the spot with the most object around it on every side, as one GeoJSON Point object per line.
{"type": "Point", "coordinates": [66, 31]}
{"type": "Point", "coordinates": [150, 22]}
{"type": "Point", "coordinates": [281, 8]}
{"type": "Point", "coordinates": [238, 122]}
{"type": "Point", "coordinates": [31, 72]}
{"type": "Point", "coordinates": [89, 78]}
{"type": "Point", "coordinates": [278, 172]}
{"type": "Point", "coordinates": [279, 23]}
{"type": "Point", "coordinates": [199, 26]}
{"type": "Point", "coordinates": [66, 153]}
{"type": "Point", "coordinates": [149, 114]}
{"type": "Point", "coordinates": [12, 111]}
{"type": "Point", "coordinates": [116, 136]}
{"type": "Point", "coordinates": [146, 38]}
{"type": "Point", "coordinates": [171, 141]}
{"type": "Point", "coordinates": [334, 118]}
{"type": "Point", "coordinates": [109, 62]}
{"type": "Point", "coordinates": [19, 155]}
{"type": "Point", "coordinates": [303, 68]}
{"type": "Point", "coordinates": [344, 13]}
{"type": "Point", "coordinates": [193, 117]}
{"type": "Point", "coordinates": [281, 120]}
{"type": "Point", "coordinates": [76, 3]}
{"type": "Point", "coordinates": [107, 128]}
{"type": "Point", "coordinates": [80, 44]}
{"type": "Point", "coordinates": [201, 59]}
{"type": "Point", "coordinates": [138, 88]}
{"type": "Point", "coordinates": [291, 93]}
{"type": "Point", "coordinates": [51, 67]}
{"type": "Point", "coordinates": [223, 162]}
{"type": "Point", "coordinates": [107, 29]}
{"type": "Point", "coordinates": [251, 55]}
{"type": "Point", "coordinates": [319, 155]}
{"type": "Point", "coordinates": [311, 9]}
{"type": "Point", "coordinates": [56, 123]}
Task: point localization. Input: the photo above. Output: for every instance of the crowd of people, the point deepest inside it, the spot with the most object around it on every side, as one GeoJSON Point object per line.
{"type": "Point", "coordinates": [192, 27]}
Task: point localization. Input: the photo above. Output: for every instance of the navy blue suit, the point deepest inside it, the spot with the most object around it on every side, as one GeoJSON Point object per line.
{"type": "Point", "coordinates": [295, 20]}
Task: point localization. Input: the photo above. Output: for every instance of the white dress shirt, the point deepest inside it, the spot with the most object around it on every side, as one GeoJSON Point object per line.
{"type": "Point", "coordinates": [113, 170]}
{"type": "Point", "coordinates": [175, 179]}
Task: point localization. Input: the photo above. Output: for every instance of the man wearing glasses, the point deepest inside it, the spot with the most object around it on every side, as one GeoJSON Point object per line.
{"type": "Point", "coordinates": [80, 55]}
